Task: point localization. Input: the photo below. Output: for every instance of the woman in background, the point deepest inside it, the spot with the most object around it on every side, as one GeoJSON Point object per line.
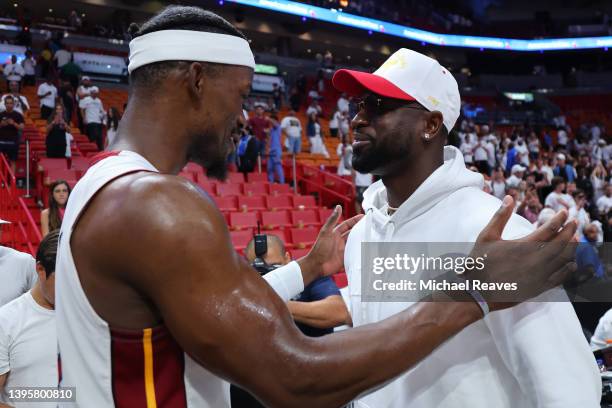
{"type": "Point", "coordinates": [112, 123]}
{"type": "Point", "coordinates": [51, 218]}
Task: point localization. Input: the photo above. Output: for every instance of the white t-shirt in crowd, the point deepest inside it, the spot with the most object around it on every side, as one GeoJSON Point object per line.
{"type": "Point", "coordinates": [28, 347]}
{"type": "Point", "coordinates": [603, 332]}
{"type": "Point", "coordinates": [467, 150]}
{"type": "Point", "coordinates": [13, 72]}
{"type": "Point", "coordinates": [62, 57]}
{"type": "Point", "coordinates": [553, 201]}
{"type": "Point", "coordinates": [334, 123]}
{"type": "Point", "coordinates": [548, 171]}
{"type": "Point", "coordinates": [29, 66]}
{"type": "Point", "coordinates": [313, 109]}
{"type": "Point", "coordinates": [595, 133]}
{"type": "Point", "coordinates": [562, 137]}
{"type": "Point", "coordinates": [498, 189]}
{"type": "Point", "coordinates": [343, 104]}
{"type": "Point", "coordinates": [69, 140]}
{"type": "Point", "coordinates": [521, 149]}
{"type": "Point", "coordinates": [49, 100]}
{"type": "Point", "coordinates": [17, 274]}
{"type": "Point", "coordinates": [604, 203]}
{"type": "Point", "coordinates": [581, 217]}
{"type": "Point", "coordinates": [94, 110]}
{"type": "Point", "coordinates": [362, 179]}
{"type": "Point", "coordinates": [345, 166]}
{"type": "Point", "coordinates": [513, 181]}
{"type": "Point", "coordinates": [84, 90]}
{"type": "Point", "coordinates": [19, 103]}
{"type": "Point", "coordinates": [480, 151]}
{"type": "Point", "coordinates": [292, 126]}
{"type": "Point", "coordinates": [569, 200]}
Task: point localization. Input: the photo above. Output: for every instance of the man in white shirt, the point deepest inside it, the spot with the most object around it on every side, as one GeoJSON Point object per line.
{"type": "Point", "coordinates": [362, 182]}
{"type": "Point", "coordinates": [62, 57]}
{"type": "Point", "coordinates": [562, 138]}
{"type": "Point", "coordinates": [47, 94]}
{"type": "Point", "coordinates": [93, 114]}
{"type": "Point", "coordinates": [293, 130]}
{"type": "Point", "coordinates": [314, 108]}
{"type": "Point", "coordinates": [603, 332]}
{"type": "Point", "coordinates": [604, 203]}
{"type": "Point", "coordinates": [516, 176]}
{"type": "Point", "coordinates": [343, 103]}
{"type": "Point", "coordinates": [17, 272]}
{"type": "Point", "coordinates": [29, 67]}
{"type": "Point", "coordinates": [13, 71]}
{"type": "Point", "coordinates": [20, 102]}
{"type": "Point", "coordinates": [28, 339]}
{"type": "Point", "coordinates": [556, 199]}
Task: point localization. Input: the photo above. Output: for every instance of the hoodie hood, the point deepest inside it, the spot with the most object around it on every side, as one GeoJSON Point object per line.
{"type": "Point", "coordinates": [445, 180]}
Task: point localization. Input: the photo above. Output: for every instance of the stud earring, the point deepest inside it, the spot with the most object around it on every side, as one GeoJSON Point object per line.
{"type": "Point", "coordinates": [426, 136]}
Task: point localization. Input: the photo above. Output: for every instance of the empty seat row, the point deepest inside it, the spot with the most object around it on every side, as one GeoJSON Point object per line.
{"type": "Point", "coordinates": [299, 238]}
{"type": "Point", "coordinates": [272, 220]}
{"type": "Point", "coordinates": [258, 203]}
{"type": "Point", "coordinates": [248, 189]}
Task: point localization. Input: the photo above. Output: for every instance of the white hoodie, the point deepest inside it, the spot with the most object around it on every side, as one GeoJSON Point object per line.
{"type": "Point", "coordinates": [532, 355]}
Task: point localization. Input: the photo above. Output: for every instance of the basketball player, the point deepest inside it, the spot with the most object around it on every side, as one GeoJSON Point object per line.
{"type": "Point", "coordinates": [156, 309]}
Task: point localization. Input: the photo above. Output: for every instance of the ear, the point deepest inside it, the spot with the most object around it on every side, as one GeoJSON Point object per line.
{"type": "Point", "coordinates": [434, 122]}
{"type": "Point", "coordinates": [287, 257]}
{"type": "Point", "coordinates": [40, 271]}
{"type": "Point", "coordinates": [196, 78]}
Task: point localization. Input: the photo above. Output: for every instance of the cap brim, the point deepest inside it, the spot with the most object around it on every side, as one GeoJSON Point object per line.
{"type": "Point", "coordinates": [356, 83]}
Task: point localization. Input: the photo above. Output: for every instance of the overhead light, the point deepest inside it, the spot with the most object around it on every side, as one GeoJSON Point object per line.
{"type": "Point", "coordinates": [14, 4]}
{"type": "Point", "coordinates": [309, 50]}
{"type": "Point", "coordinates": [83, 15]}
{"type": "Point", "coordinates": [50, 10]}
{"type": "Point", "coordinates": [348, 57]}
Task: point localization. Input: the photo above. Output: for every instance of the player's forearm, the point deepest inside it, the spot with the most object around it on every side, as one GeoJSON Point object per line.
{"type": "Point", "coordinates": [322, 314]}
{"type": "Point", "coordinates": [332, 370]}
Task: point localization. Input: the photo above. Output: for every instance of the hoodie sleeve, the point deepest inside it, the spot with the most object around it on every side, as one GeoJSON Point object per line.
{"type": "Point", "coordinates": [542, 344]}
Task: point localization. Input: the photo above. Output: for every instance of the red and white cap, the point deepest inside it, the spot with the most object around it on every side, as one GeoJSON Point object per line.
{"type": "Point", "coordinates": [410, 76]}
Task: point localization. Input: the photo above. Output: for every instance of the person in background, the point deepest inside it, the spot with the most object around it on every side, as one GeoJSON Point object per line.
{"type": "Point", "coordinates": [66, 94]}
{"type": "Point", "coordinates": [292, 127]}
{"type": "Point", "coordinates": [555, 199]}
{"type": "Point", "coordinates": [316, 311]}
{"type": "Point", "coordinates": [530, 207]}
{"type": "Point", "coordinates": [587, 258]}
{"type": "Point", "coordinates": [498, 183]}
{"type": "Point", "coordinates": [47, 93]}
{"type": "Point", "coordinates": [20, 102]}
{"type": "Point", "coordinates": [260, 125]}
{"type": "Point", "coordinates": [71, 71]}
{"type": "Point", "coordinates": [604, 203]}
{"type": "Point", "coordinates": [578, 211]}
{"type": "Point", "coordinates": [295, 99]}
{"type": "Point", "coordinates": [598, 179]}
{"type": "Point", "coordinates": [334, 123]}
{"type": "Point", "coordinates": [362, 182]}
{"type": "Point", "coordinates": [28, 340]}
{"type": "Point", "coordinates": [564, 169]}
{"type": "Point", "coordinates": [275, 151]}
{"type": "Point", "coordinates": [82, 92]}
{"type": "Point", "coordinates": [277, 96]}
{"type": "Point", "coordinates": [51, 218]}
{"type": "Point", "coordinates": [314, 108]}
{"type": "Point", "coordinates": [343, 124]}
{"type": "Point", "coordinates": [13, 71]}
{"type": "Point", "coordinates": [17, 271]}
{"type": "Point", "coordinates": [603, 332]}
{"type": "Point", "coordinates": [112, 123]}
{"type": "Point", "coordinates": [247, 152]}
{"type": "Point", "coordinates": [93, 115]}
{"type": "Point", "coordinates": [313, 130]}
{"type": "Point", "coordinates": [11, 125]}
{"type": "Point", "coordinates": [516, 175]}
{"type": "Point", "coordinates": [343, 103]}
{"type": "Point", "coordinates": [61, 57]}
{"type": "Point", "coordinates": [345, 153]}
{"type": "Point", "coordinates": [562, 138]}
{"type": "Point", "coordinates": [56, 133]}
{"type": "Point", "coordinates": [29, 69]}
{"type": "Point", "coordinates": [45, 60]}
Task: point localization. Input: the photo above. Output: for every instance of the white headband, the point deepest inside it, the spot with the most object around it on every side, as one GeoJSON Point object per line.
{"type": "Point", "coordinates": [187, 45]}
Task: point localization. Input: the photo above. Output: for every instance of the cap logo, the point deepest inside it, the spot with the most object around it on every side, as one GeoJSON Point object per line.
{"type": "Point", "coordinates": [433, 100]}
{"type": "Point", "coordinates": [396, 59]}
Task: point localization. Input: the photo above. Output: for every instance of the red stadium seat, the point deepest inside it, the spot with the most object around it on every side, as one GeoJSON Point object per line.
{"type": "Point", "coordinates": [240, 221]}
{"type": "Point", "coordinates": [235, 178]}
{"type": "Point", "coordinates": [301, 218]}
{"type": "Point", "coordinates": [80, 163]}
{"type": "Point", "coordinates": [256, 203]}
{"type": "Point", "coordinates": [282, 235]}
{"type": "Point", "coordinates": [256, 189]}
{"type": "Point", "coordinates": [188, 175]}
{"type": "Point", "coordinates": [257, 177]}
{"type": "Point", "coordinates": [278, 189]}
{"type": "Point", "coordinates": [340, 279]}
{"type": "Point", "coordinates": [47, 164]}
{"type": "Point", "coordinates": [297, 253]}
{"type": "Point", "coordinates": [275, 219]}
{"type": "Point", "coordinates": [209, 186]}
{"type": "Point", "coordinates": [229, 189]}
{"type": "Point", "coordinates": [325, 213]}
{"type": "Point", "coordinates": [282, 202]}
{"type": "Point", "coordinates": [304, 201]}
{"type": "Point", "coordinates": [304, 237]}
{"type": "Point", "coordinates": [240, 239]}
{"type": "Point", "coordinates": [226, 203]}
{"type": "Point", "coordinates": [71, 176]}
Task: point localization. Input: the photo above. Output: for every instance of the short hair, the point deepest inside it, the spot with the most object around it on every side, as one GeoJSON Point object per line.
{"type": "Point", "coordinates": [272, 239]}
{"type": "Point", "coordinates": [47, 251]}
{"type": "Point", "coordinates": [177, 18]}
{"type": "Point", "coordinates": [9, 96]}
{"type": "Point", "coordinates": [556, 181]}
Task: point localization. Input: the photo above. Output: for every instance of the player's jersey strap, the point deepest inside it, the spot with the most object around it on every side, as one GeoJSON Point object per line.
{"type": "Point", "coordinates": [147, 369]}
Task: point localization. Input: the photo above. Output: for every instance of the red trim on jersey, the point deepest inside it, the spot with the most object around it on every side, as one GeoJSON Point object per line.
{"type": "Point", "coordinates": [102, 155]}
{"type": "Point", "coordinates": [128, 369]}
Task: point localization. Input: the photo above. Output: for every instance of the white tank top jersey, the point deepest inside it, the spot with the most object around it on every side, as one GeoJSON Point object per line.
{"type": "Point", "coordinates": [118, 368]}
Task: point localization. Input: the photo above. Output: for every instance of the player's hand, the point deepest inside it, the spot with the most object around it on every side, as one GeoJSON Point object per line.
{"type": "Point", "coordinates": [536, 263]}
{"type": "Point", "coordinates": [327, 254]}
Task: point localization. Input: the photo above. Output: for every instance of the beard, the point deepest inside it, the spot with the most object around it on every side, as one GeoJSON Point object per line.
{"type": "Point", "coordinates": [376, 157]}
{"type": "Point", "coordinates": [213, 158]}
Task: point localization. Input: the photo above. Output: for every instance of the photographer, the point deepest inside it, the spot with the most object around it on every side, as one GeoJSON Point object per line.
{"type": "Point", "coordinates": [56, 133]}
{"type": "Point", "coordinates": [316, 311]}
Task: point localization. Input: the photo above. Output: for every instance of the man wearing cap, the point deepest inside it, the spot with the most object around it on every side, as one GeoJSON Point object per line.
{"type": "Point", "coordinates": [93, 114]}
{"type": "Point", "coordinates": [17, 271]}
{"type": "Point", "coordinates": [154, 307]}
{"type": "Point", "coordinates": [563, 169]}
{"type": "Point", "coordinates": [516, 176]}
{"type": "Point", "coordinates": [426, 194]}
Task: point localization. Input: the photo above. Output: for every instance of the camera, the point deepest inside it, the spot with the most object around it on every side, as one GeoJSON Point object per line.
{"type": "Point", "coordinates": [261, 249]}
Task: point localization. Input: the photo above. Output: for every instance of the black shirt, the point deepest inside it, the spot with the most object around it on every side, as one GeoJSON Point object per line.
{"type": "Point", "coordinates": [10, 133]}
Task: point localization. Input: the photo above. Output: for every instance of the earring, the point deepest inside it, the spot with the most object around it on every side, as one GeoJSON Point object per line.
{"type": "Point", "coordinates": [426, 136]}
